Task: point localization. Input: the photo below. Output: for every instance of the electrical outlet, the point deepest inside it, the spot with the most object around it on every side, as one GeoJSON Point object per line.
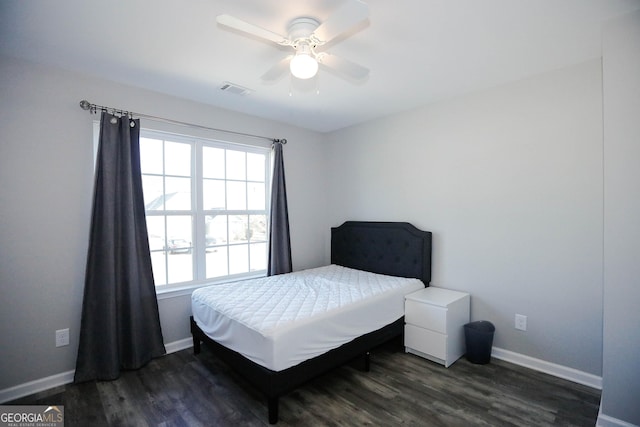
{"type": "Point", "coordinates": [521, 322]}
{"type": "Point", "coordinates": [62, 337]}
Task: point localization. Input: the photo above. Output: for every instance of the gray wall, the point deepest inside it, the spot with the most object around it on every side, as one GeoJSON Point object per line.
{"type": "Point", "coordinates": [509, 180]}
{"type": "Point", "coordinates": [621, 360]}
{"type": "Point", "coordinates": [46, 171]}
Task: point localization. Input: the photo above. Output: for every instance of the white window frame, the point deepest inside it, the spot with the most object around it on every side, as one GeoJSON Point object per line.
{"type": "Point", "coordinates": [199, 214]}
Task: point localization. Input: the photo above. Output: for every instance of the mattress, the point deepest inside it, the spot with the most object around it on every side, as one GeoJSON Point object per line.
{"type": "Point", "coordinates": [283, 320]}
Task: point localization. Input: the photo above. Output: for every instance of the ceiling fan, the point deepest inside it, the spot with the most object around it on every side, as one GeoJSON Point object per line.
{"type": "Point", "coordinates": [306, 36]}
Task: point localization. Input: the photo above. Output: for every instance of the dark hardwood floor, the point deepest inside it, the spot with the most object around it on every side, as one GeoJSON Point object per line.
{"type": "Point", "coordinates": [186, 390]}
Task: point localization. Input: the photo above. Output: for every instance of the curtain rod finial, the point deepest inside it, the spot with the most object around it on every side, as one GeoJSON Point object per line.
{"type": "Point", "coordinates": [85, 105]}
{"type": "Point", "coordinates": [280, 141]}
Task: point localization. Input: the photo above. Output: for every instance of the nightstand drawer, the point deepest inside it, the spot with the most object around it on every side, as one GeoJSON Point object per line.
{"type": "Point", "coordinates": [425, 341]}
{"type": "Point", "coordinates": [426, 315]}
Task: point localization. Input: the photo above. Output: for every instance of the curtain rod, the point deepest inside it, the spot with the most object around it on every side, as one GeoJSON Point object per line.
{"type": "Point", "coordinates": [93, 109]}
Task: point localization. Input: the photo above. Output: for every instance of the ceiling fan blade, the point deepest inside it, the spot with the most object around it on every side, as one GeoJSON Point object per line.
{"type": "Point", "coordinates": [278, 70]}
{"type": "Point", "coordinates": [346, 17]}
{"type": "Point", "coordinates": [343, 66]}
{"type": "Point", "coordinates": [240, 25]}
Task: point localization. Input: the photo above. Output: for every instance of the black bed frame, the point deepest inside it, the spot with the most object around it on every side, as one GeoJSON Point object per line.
{"type": "Point", "coordinates": [392, 248]}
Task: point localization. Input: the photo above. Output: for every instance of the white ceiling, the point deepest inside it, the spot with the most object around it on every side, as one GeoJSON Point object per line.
{"type": "Point", "coordinates": [418, 51]}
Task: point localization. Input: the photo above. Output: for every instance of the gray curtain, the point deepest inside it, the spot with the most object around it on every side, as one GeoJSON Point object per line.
{"type": "Point", "coordinates": [120, 325]}
{"type": "Point", "coordinates": [279, 239]}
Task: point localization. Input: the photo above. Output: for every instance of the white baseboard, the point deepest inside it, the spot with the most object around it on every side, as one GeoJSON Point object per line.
{"type": "Point", "coordinates": [36, 386]}
{"type": "Point", "coordinates": [607, 421]}
{"type": "Point", "coordinates": [559, 371]}
{"type": "Point", "coordinates": [175, 346]}
{"type": "Point", "coordinates": [42, 384]}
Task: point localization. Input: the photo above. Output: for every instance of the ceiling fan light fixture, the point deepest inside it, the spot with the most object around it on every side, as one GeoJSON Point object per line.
{"type": "Point", "coordinates": [305, 35]}
{"type": "Point", "coordinates": [303, 65]}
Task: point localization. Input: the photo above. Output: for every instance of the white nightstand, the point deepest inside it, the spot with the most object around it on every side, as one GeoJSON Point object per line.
{"type": "Point", "coordinates": [434, 324]}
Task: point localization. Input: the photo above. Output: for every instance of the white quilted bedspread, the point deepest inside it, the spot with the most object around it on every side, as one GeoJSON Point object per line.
{"type": "Point", "coordinates": [268, 303]}
{"type": "Point", "coordinates": [281, 320]}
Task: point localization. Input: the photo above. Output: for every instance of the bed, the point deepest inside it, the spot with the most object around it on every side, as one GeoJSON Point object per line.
{"type": "Point", "coordinates": [375, 255]}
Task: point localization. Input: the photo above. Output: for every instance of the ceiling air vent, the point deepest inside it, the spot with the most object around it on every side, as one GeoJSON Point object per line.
{"type": "Point", "coordinates": [234, 88]}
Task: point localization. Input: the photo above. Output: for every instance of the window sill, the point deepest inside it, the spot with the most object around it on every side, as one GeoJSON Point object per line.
{"type": "Point", "coordinates": [167, 292]}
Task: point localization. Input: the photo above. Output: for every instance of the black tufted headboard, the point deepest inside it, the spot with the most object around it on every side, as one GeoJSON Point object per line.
{"type": "Point", "coordinates": [392, 248]}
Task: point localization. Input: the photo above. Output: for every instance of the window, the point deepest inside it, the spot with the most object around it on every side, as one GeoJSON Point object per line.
{"type": "Point", "coordinates": [206, 207]}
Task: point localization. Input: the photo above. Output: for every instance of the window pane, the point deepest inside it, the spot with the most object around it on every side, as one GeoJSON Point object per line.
{"type": "Point", "coordinates": [217, 262]}
{"type": "Point", "coordinates": [178, 248]}
{"type": "Point", "coordinates": [255, 195]}
{"type": "Point", "coordinates": [216, 237]}
{"type": "Point", "coordinates": [236, 195]}
{"type": "Point", "coordinates": [213, 194]}
{"type": "Point", "coordinates": [236, 165]}
{"type": "Point", "coordinates": [213, 162]}
{"type": "Point", "coordinates": [180, 267]}
{"type": "Point", "coordinates": [151, 155]}
{"type": "Point", "coordinates": [255, 167]}
{"type": "Point", "coordinates": [258, 252]}
{"type": "Point", "coordinates": [155, 229]}
{"type": "Point", "coordinates": [159, 266]}
{"type": "Point", "coordinates": [177, 194]}
{"type": "Point", "coordinates": [153, 192]}
{"type": "Point", "coordinates": [258, 228]}
{"type": "Point", "coordinates": [238, 228]}
{"type": "Point", "coordinates": [238, 259]}
{"type": "Point", "coordinates": [179, 232]}
{"type": "Point", "coordinates": [177, 158]}
{"type": "Point", "coordinates": [216, 228]}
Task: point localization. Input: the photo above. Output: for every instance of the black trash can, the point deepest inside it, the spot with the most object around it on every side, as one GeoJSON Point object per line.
{"type": "Point", "coordinates": [479, 339]}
